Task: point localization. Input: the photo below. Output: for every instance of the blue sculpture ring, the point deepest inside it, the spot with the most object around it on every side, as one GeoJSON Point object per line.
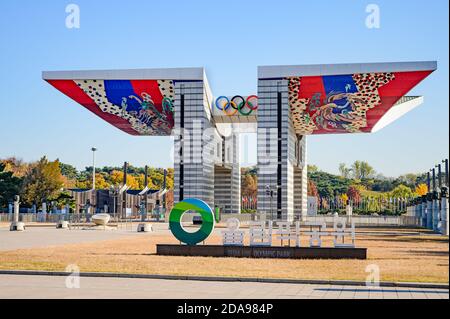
{"type": "Point", "coordinates": [226, 106]}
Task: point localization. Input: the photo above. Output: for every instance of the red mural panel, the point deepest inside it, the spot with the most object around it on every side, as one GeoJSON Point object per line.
{"type": "Point", "coordinates": [346, 103]}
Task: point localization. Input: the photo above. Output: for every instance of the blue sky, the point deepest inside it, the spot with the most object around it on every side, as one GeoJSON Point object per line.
{"type": "Point", "coordinates": [230, 39]}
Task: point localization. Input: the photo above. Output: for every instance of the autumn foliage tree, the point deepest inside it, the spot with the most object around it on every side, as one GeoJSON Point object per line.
{"type": "Point", "coordinates": [312, 189]}
{"type": "Point", "coordinates": [249, 185]}
{"type": "Point", "coordinates": [421, 189]}
{"type": "Point", "coordinates": [354, 194]}
{"type": "Point", "coordinates": [43, 182]}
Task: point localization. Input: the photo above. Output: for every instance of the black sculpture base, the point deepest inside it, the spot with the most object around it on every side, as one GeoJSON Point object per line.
{"type": "Point", "coordinates": [262, 252]}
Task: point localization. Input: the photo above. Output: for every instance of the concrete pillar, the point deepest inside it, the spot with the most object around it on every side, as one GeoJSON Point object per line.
{"type": "Point", "coordinates": [436, 212]}
{"type": "Point", "coordinates": [67, 215]}
{"type": "Point", "coordinates": [227, 173]}
{"type": "Point", "coordinates": [16, 225]}
{"type": "Point", "coordinates": [193, 155]}
{"type": "Point", "coordinates": [424, 211]}
{"type": "Point", "coordinates": [43, 215]}
{"type": "Point", "coordinates": [281, 154]}
{"type": "Point", "coordinates": [418, 211]}
{"type": "Point", "coordinates": [444, 211]}
{"type": "Point", "coordinates": [16, 209]}
{"type": "Point", "coordinates": [429, 211]}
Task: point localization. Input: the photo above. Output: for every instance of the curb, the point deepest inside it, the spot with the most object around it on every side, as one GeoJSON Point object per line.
{"type": "Point", "coordinates": [227, 279]}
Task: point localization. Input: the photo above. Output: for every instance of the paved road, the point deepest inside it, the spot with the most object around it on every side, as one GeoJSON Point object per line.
{"type": "Point", "coordinates": [24, 286]}
{"type": "Point", "coordinates": [50, 236]}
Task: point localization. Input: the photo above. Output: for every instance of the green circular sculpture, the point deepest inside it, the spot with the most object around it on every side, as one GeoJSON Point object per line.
{"type": "Point", "coordinates": [200, 207]}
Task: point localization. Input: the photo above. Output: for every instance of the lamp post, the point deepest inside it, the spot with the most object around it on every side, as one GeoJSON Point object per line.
{"type": "Point", "coordinates": [93, 167]}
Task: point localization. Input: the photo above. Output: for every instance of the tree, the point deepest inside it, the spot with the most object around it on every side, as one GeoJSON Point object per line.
{"type": "Point", "coordinates": [312, 189]}
{"type": "Point", "coordinates": [362, 170]}
{"type": "Point", "coordinates": [344, 170]}
{"type": "Point", "coordinates": [9, 185]}
{"type": "Point", "coordinates": [43, 182]}
{"type": "Point", "coordinates": [249, 185]}
{"type": "Point", "coordinates": [329, 184]}
{"type": "Point", "coordinates": [354, 194]}
{"type": "Point", "coordinates": [117, 179]}
{"type": "Point", "coordinates": [15, 165]}
{"type": "Point", "coordinates": [402, 191]}
{"type": "Point", "coordinates": [421, 189]}
{"type": "Point", "coordinates": [344, 198]}
{"type": "Point", "coordinates": [68, 171]}
{"type": "Point", "coordinates": [312, 168]}
{"type": "Point", "coordinates": [63, 199]}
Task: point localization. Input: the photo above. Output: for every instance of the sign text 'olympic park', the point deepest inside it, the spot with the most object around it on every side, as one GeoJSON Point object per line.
{"type": "Point", "coordinates": [260, 233]}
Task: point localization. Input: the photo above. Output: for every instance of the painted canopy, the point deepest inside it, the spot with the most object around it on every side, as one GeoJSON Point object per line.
{"type": "Point", "coordinates": [323, 99]}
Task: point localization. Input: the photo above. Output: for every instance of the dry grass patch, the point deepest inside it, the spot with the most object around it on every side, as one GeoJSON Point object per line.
{"type": "Point", "coordinates": [401, 256]}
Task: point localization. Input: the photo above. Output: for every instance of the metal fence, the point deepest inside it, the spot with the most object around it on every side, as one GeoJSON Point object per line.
{"type": "Point", "coordinates": [370, 221]}
{"type": "Point", "coordinates": [249, 202]}
{"type": "Point", "coordinates": [361, 221]}
{"type": "Point", "coordinates": [32, 218]}
{"type": "Point", "coordinates": [364, 206]}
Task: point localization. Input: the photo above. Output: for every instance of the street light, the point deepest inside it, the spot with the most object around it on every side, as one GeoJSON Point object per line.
{"type": "Point", "coordinates": [93, 167]}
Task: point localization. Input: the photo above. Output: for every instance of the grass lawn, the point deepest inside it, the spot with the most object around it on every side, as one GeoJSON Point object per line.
{"type": "Point", "coordinates": [401, 256]}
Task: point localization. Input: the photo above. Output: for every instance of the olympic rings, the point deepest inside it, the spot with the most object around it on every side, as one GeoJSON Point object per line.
{"type": "Point", "coordinates": [237, 103]}
{"type": "Point", "coordinates": [224, 106]}
{"type": "Point", "coordinates": [233, 105]}
{"type": "Point", "coordinates": [250, 105]}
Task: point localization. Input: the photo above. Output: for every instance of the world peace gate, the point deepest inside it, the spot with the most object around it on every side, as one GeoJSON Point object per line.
{"type": "Point", "coordinates": [291, 103]}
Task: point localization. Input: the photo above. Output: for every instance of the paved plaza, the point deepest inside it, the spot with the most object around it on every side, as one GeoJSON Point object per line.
{"type": "Point", "coordinates": [50, 236]}
{"type": "Point", "coordinates": [48, 287]}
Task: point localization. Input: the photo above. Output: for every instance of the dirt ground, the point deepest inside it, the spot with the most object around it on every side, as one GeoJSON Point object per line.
{"type": "Point", "coordinates": [401, 255]}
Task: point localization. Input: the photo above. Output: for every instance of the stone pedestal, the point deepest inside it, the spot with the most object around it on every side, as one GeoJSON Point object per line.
{"type": "Point", "coordinates": [17, 226]}
{"type": "Point", "coordinates": [144, 228]}
{"type": "Point", "coordinates": [63, 224]}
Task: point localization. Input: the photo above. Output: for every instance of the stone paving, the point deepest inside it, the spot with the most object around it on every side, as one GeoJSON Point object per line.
{"type": "Point", "coordinates": [24, 286]}
{"type": "Point", "coordinates": [50, 236]}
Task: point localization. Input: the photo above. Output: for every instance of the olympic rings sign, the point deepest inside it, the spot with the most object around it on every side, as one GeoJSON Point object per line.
{"type": "Point", "coordinates": [200, 207]}
{"type": "Point", "coordinates": [238, 104]}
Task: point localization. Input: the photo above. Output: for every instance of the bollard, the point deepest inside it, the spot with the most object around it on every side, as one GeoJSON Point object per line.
{"type": "Point", "coordinates": [144, 228]}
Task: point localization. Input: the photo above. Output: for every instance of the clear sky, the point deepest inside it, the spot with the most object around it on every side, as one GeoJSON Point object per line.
{"type": "Point", "coordinates": [230, 39]}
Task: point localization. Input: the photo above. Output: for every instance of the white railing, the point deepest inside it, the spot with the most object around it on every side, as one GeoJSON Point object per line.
{"type": "Point", "coordinates": [361, 221]}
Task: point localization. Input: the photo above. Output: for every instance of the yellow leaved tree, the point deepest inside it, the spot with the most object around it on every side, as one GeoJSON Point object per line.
{"type": "Point", "coordinates": [421, 189]}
